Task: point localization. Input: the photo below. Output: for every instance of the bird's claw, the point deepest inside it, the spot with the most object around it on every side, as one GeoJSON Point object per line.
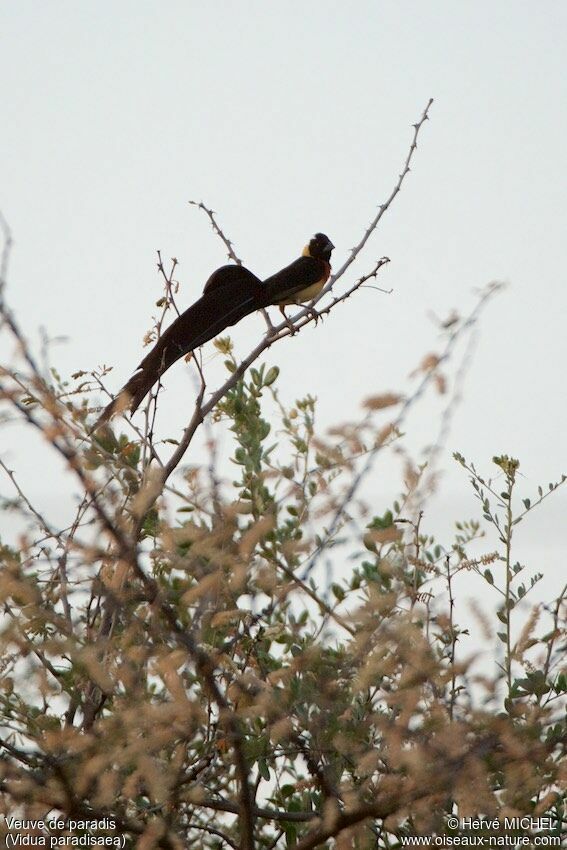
{"type": "Point", "coordinates": [315, 314]}
{"type": "Point", "coordinates": [287, 320]}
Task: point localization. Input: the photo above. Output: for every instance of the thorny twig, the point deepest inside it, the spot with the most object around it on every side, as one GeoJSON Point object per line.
{"type": "Point", "coordinates": [217, 229]}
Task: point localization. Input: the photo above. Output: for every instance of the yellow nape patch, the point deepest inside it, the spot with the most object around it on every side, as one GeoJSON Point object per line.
{"type": "Point", "coordinates": [306, 252]}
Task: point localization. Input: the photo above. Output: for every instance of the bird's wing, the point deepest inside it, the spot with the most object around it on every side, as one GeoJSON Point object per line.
{"type": "Point", "coordinates": [220, 306]}
{"type": "Point", "coordinates": [231, 275]}
{"type": "Point", "coordinates": [293, 279]}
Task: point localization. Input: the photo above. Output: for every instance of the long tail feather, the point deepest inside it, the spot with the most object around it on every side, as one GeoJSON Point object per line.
{"type": "Point", "coordinates": [130, 396]}
{"type": "Point", "coordinates": [231, 293]}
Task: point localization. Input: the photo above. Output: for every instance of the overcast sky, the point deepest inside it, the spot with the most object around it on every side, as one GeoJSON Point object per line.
{"type": "Point", "coordinates": [289, 118]}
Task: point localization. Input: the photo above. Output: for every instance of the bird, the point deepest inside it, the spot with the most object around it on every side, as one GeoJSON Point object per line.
{"type": "Point", "coordinates": [230, 294]}
{"type": "Point", "coordinates": [303, 279]}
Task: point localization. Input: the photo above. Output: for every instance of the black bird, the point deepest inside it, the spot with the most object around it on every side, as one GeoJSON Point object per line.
{"type": "Point", "coordinates": [303, 279]}
{"type": "Point", "coordinates": [230, 294]}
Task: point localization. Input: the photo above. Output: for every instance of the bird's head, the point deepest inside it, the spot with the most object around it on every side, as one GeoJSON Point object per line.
{"type": "Point", "coordinates": [320, 247]}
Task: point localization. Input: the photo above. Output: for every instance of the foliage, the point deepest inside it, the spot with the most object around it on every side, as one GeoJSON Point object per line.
{"type": "Point", "coordinates": [218, 679]}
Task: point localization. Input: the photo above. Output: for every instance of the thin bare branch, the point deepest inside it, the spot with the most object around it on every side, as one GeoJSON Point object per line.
{"type": "Point", "coordinates": [383, 207]}
{"type": "Point", "coordinates": [5, 255]}
{"type": "Point", "coordinates": [218, 230]}
{"type": "Point", "coordinates": [407, 404]}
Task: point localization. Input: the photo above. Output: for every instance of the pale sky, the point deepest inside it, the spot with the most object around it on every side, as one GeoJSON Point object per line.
{"type": "Point", "coordinates": [288, 118]}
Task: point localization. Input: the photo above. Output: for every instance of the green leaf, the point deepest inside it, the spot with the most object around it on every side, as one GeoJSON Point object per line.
{"type": "Point", "coordinates": [287, 791]}
{"type": "Point", "coordinates": [338, 592]}
{"type": "Point", "coordinates": [515, 689]}
{"type": "Point", "coordinates": [534, 683]}
{"type": "Point", "coordinates": [290, 835]}
{"type": "Point", "coordinates": [382, 522]}
{"type": "Point", "coordinates": [271, 376]}
{"type": "Point", "coordinates": [150, 528]}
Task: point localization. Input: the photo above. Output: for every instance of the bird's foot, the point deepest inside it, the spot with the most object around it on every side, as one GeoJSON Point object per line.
{"type": "Point", "coordinates": [315, 314]}
{"type": "Point", "coordinates": [289, 323]}
{"type": "Point", "coordinates": [291, 326]}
